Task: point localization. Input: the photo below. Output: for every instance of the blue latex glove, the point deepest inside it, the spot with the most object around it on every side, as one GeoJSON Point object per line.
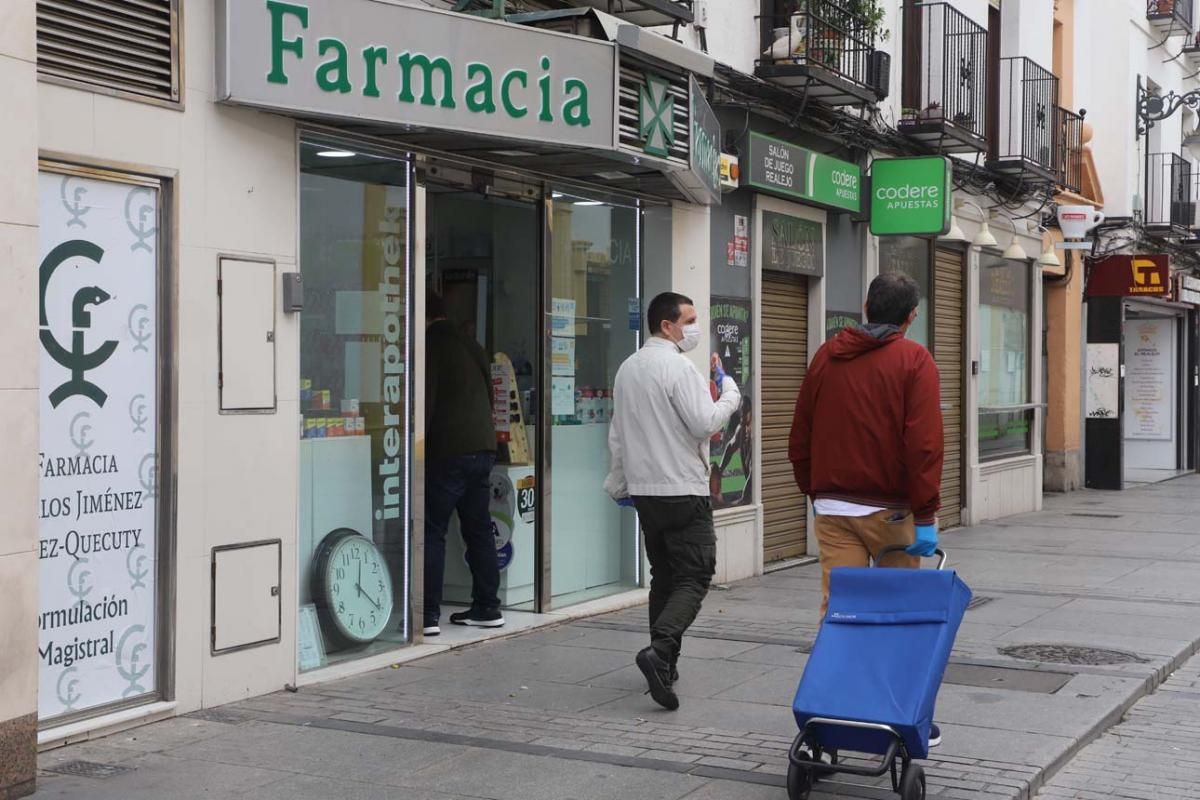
{"type": "Point", "coordinates": [625, 502]}
{"type": "Point", "coordinates": [926, 542]}
{"type": "Point", "coordinates": [719, 378]}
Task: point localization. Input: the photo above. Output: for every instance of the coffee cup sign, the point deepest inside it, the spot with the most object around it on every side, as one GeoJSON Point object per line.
{"type": "Point", "coordinates": [1076, 221]}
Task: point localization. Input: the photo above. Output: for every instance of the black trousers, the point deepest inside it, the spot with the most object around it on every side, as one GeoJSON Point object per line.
{"type": "Point", "coordinates": [682, 547]}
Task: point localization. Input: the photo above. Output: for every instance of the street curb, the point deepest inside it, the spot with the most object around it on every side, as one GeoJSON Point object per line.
{"type": "Point", "coordinates": [1107, 722]}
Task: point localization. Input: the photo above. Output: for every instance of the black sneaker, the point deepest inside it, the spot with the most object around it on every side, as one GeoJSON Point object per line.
{"type": "Point", "coordinates": [658, 678]}
{"type": "Point", "coordinates": [674, 672]}
{"type": "Point", "coordinates": [432, 629]}
{"type": "Point", "coordinates": [479, 618]}
{"type": "Point", "coordinates": [935, 735]}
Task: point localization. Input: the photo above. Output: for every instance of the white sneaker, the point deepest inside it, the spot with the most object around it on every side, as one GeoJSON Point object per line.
{"type": "Point", "coordinates": [432, 630]}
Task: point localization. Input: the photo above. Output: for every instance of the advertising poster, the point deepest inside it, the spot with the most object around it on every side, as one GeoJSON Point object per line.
{"type": "Point", "coordinates": [1149, 379]}
{"type": "Point", "coordinates": [98, 447]}
{"type": "Point", "coordinates": [731, 450]}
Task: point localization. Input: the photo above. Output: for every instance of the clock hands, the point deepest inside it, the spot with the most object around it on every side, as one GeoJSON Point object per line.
{"type": "Point", "coordinates": [358, 585]}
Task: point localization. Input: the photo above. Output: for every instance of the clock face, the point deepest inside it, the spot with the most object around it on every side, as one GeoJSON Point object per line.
{"type": "Point", "coordinates": [354, 587]}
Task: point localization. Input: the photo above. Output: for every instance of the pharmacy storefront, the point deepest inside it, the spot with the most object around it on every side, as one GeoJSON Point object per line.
{"type": "Point", "coordinates": [494, 164]}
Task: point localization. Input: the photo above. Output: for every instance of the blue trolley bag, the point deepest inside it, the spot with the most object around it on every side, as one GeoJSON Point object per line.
{"type": "Point", "coordinates": [880, 656]}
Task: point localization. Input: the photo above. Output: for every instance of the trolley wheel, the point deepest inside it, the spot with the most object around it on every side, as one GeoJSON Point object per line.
{"type": "Point", "coordinates": [912, 783]}
{"type": "Point", "coordinates": [799, 780]}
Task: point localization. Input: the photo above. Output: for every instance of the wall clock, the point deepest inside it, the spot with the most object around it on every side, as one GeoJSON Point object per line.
{"type": "Point", "coordinates": [351, 588]}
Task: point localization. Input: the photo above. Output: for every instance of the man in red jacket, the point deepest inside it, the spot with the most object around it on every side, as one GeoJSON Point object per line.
{"type": "Point", "coordinates": [866, 442]}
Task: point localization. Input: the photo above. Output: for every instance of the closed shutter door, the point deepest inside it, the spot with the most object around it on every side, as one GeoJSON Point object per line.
{"type": "Point", "coordinates": [948, 354]}
{"type": "Point", "coordinates": [784, 362]}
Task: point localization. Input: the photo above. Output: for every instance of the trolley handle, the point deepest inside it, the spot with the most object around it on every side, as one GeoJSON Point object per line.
{"type": "Point", "coordinates": [902, 548]}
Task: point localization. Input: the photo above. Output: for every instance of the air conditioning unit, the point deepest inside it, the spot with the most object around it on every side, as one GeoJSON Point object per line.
{"type": "Point", "coordinates": [879, 75]}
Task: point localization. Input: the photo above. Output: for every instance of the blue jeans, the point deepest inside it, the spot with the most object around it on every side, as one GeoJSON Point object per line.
{"type": "Point", "coordinates": [462, 484]}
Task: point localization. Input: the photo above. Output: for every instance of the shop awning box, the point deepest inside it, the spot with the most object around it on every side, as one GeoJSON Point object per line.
{"type": "Point", "coordinates": [575, 94]}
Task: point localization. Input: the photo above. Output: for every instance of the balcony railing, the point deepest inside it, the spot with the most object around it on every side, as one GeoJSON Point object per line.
{"type": "Point", "coordinates": [1069, 153]}
{"type": "Point", "coordinates": [945, 77]}
{"type": "Point", "coordinates": [1027, 130]}
{"type": "Point", "coordinates": [1170, 193]}
{"type": "Point", "coordinates": [823, 47]}
{"type": "Point", "coordinates": [637, 12]}
{"type": "Point", "coordinates": [1175, 15]}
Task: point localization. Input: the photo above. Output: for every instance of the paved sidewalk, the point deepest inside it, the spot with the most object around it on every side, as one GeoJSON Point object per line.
{"type": "Point", "coordinates": [1153, 755]}
{"type": "Point", "coordinates": [1099, 590]}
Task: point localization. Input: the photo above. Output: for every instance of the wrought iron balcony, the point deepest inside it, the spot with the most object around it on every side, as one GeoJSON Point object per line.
{"type": "Point", "coordinates": [1069, 153]}
{"type": "Point", "coordinates": [1170, 194]}
{"type": "Point", "coordinates": [1026, 121]}
{"type": "Point", "coordinates": [823, 48]}
{"type": "Point", "coordinates": [944, 79]}
{"type": "Point", "coordinates": [636, 12]}
{"type": "Point", "coordinates": [1171, 16]}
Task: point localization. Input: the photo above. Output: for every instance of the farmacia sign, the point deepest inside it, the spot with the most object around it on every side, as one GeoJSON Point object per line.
{"type": "Point", "coordinates": [416, 67]}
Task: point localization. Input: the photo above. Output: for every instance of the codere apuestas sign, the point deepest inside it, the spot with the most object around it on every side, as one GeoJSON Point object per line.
{"type": "Point", "coordinates": [416, 67]}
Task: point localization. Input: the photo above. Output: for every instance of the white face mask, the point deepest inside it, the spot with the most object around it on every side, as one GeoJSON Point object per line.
{"type": "Point", "coordinates": [691, 337]}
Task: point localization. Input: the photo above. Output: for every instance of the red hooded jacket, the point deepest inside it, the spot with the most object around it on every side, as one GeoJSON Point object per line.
{"type": "Point", "coordinates": [868, 423]}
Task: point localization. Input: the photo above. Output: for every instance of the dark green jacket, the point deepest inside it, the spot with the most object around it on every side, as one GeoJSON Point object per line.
{"type": "Point", "coordinates": [458, 394]}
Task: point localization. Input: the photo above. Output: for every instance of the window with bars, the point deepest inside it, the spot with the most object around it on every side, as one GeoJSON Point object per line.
{"type": "Point", "coordinates": [131, 47]}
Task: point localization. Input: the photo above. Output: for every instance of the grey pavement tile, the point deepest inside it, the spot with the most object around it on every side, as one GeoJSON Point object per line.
{"type": "Point", "coordinates": [705, 648]}
{"type": "Point", "coordinates": [704, 713]}
{"type": "Point", "coordinates": [1006, 610]}
{"type": "Point", "coordinates": [1014, 747]}
{"type": "Point", "coordinates": [699, 678]}
{"type": "Point", "coordinates": [383, 678]}
{"type": "Point", "coordinates": [1074, 618]}
{"type": "Point", "coordinates": [167, 734]}
{"type": "Point", "coordinates": [1161, 578]}
{"type": "Point", "coordinates": [316, 751]}
{"type": "Point", "coordinates": [515, 690]}
{"type": "Point", "coordinates": [1066, 714]}
{"type": "Point", "coordinates": [515, 776]}
{"type": "Point", "coordinates": [307, 787]}
{"type": "Point", "coordinates": [518, 664]}
{"type": "Point", "coordinates": [102, 751]}
{"type": "Point", "coordinates": [1137, 608]}
{"type": "Point", "coordinates": [156, 777]}
{"type": "Point", "coordinates": [777, 687]}
{"type": "Point", "coordinates": [978, 631]}
{"type": "Point", "coordinates": [606, 639]}
{"type": "Point", "coordinates": [735, 790]}
{"type": "Point", "coordinates": [774, 654]}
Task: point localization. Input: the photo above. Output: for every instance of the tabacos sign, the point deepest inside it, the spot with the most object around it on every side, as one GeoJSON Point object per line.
{"type": "Point", "coordinates": [416, 67]}
{"type": "Point", "coordinates": [1129, 276]}
{"type": "Point", "coordinates": [910, 196]}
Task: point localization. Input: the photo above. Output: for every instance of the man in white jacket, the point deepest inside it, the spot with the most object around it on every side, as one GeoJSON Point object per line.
{"type": "Point", "coordinates": [663, 418]}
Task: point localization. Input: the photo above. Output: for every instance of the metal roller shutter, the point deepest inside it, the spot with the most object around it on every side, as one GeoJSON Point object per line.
{"type": "Point", "coordinates": [784, 362]}
{"type": "Point", "coordinates": [124, 45]}
{"type": "Point", "coordinates": [948, 354]}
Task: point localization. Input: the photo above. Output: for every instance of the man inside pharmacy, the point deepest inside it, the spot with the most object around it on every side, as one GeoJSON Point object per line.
{"type": "Point", "coordinates": [663, 418]}
{"type": "Point", "coordinates": [460, 451]}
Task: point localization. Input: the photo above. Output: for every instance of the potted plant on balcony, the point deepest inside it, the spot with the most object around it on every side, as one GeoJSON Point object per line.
{"type": "Point", "coordinates": [871, 15]}
{"type": "Point", "coordinates": [965, 119]}
{"type": "Point", "coordinates": [932, 111]}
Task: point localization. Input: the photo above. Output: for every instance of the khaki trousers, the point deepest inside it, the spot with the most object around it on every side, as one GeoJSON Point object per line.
{"type": "Point", "coordinates": [849, 541]}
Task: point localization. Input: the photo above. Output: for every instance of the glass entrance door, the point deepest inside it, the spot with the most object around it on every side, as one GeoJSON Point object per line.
{"type": "Point", "coordinates": [593, 322]}
{"type": "Point", "coordinates": [482, 258]}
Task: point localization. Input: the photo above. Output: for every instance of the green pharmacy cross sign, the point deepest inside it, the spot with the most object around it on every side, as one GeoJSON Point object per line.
{"type": "Point", "coordinates": [911, 196]}
{"type": "Point", "coordinates": [656, 116]}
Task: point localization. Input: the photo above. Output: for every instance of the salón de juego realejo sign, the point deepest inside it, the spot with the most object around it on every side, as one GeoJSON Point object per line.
{"type": "Point", "coordinates": [790, 171]}
{"type": "Point", "coordinates": [418, 67]}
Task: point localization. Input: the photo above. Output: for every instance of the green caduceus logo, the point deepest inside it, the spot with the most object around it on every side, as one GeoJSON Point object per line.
{"type": "Point", "coordinates": [656, 116]}
{"type": "Point", "coordinates": [76, 359]}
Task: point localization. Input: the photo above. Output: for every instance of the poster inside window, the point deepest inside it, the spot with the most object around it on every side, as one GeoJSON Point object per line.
{"type": "Point", "coordinates": [99, 427]}
{"type": "Point", "coordinates": [731, 331]}
{"type": "Point", "coordinates": [1005, 297]}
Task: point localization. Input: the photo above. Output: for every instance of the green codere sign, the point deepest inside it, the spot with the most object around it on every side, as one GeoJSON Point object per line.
{"type": "Point", "coordinates": [797, 173]}
{"type": "Point", "coordinates": [911, 196]}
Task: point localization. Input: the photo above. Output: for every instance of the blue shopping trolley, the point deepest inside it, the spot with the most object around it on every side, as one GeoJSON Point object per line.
{"type": "Point", "coordinates": [872, 680]}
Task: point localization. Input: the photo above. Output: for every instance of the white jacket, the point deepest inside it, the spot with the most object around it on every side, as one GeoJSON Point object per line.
{"type": "Point", "coordinates": [663, 417]}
